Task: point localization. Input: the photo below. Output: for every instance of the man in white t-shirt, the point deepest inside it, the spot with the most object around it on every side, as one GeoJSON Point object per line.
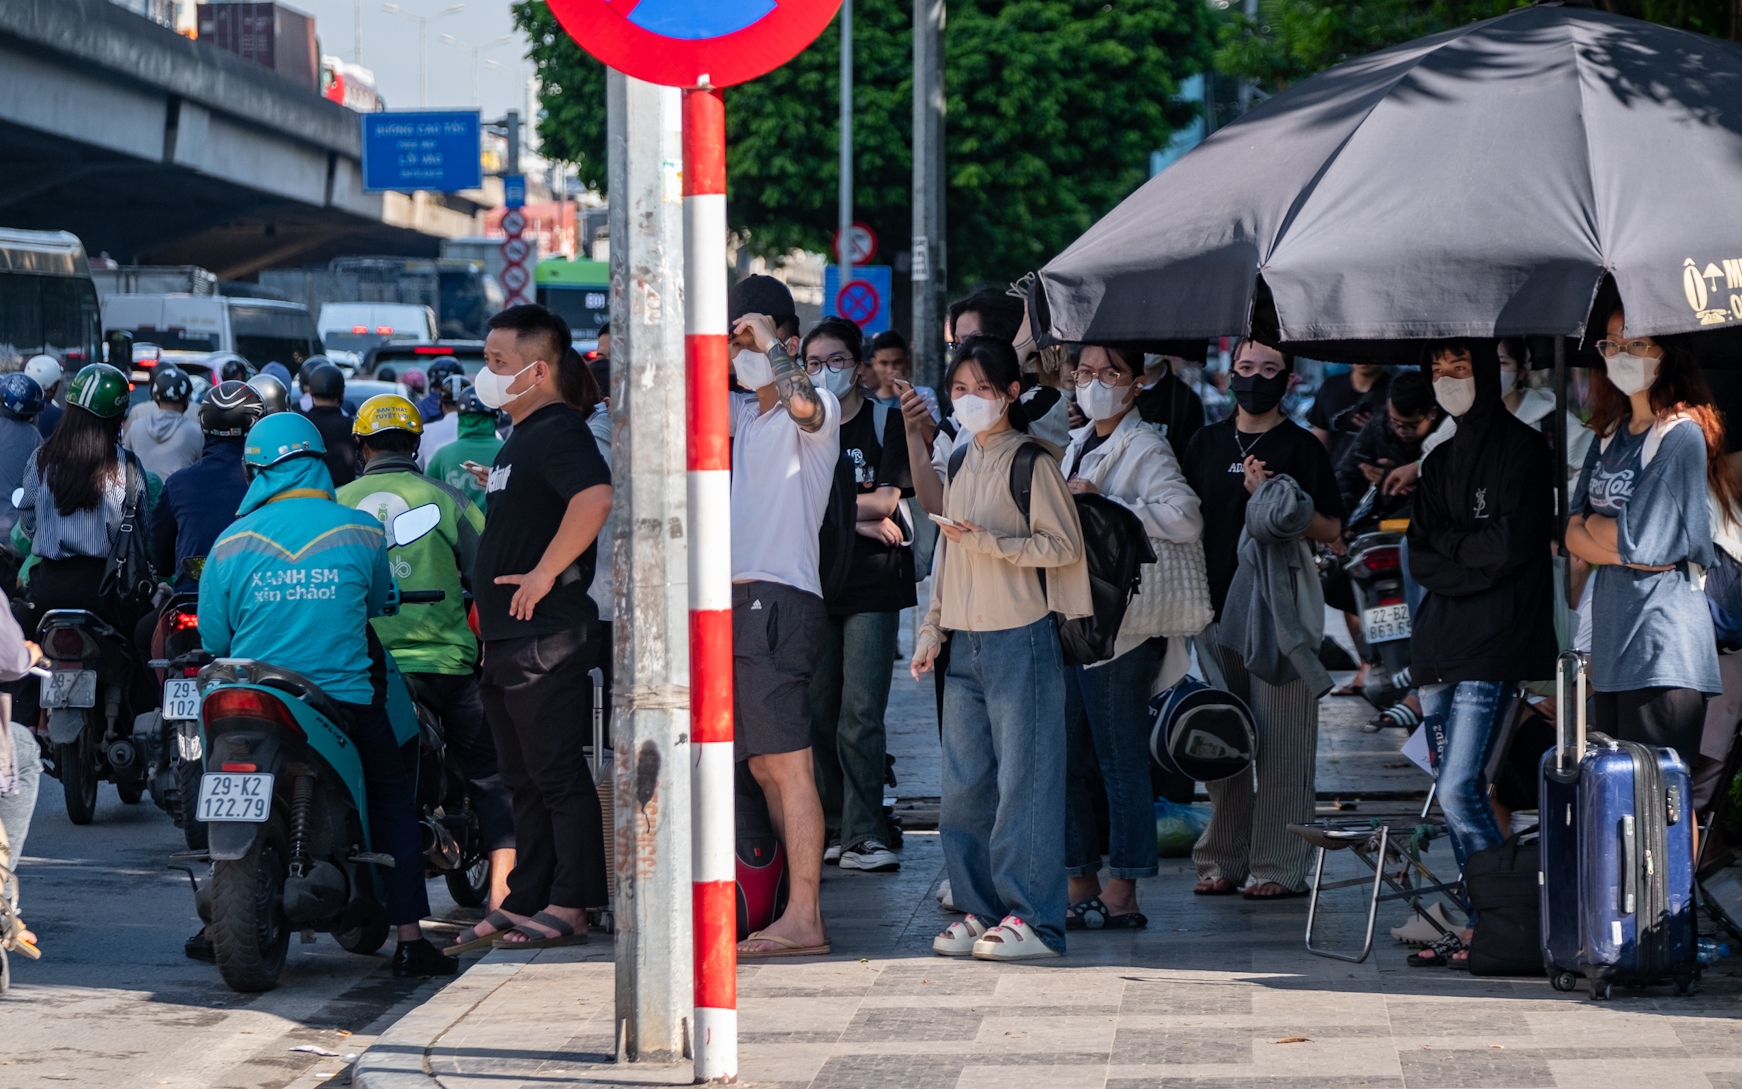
{"type": "Point", "coordinates": [785, 442]}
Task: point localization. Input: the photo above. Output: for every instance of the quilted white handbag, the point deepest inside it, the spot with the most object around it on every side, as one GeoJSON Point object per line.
{"type": "Point", "coordinates": [1175, 595]}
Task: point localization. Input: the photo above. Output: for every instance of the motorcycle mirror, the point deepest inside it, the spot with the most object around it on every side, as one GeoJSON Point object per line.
{"type": "Point", "coordinates": [17, 497]}
{"type": "Point", "coordinates": [414, 523]}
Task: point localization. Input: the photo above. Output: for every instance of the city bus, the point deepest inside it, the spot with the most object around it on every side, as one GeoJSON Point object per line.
{"type": "Point", "coordinates": [581, 292]}
{"type": "Point", "coordinates": [48, 302]}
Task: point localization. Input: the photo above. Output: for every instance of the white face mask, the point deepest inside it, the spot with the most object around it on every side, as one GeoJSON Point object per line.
{"type": "Point", "coordinates": [753, 369]}
{"type": "Point", "coordinates": [1100, 403]}
{"type": "Point", "coordinates": [1455, 395]}
{"type": "Point", "coordinates": [980, 413]}
{"type": "Point", "coordinates": [1631, 373]}
{"type": "Point", "coordinates": [492, 388]}
{"type": "Point", "coordinates": [1508, 381]}
{"type": "Point", "coordinates": [839, 383]}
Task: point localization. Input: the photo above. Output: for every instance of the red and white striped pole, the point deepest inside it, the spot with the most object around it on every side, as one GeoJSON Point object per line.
{"type": "Point", "coordinates": [710, 517]}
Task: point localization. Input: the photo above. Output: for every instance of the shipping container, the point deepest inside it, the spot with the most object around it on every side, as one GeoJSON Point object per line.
{"type": "Point", "coordinates": [272, 35]}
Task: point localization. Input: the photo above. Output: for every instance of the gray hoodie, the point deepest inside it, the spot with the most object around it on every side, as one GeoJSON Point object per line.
{"type": "Point", "coordinates": [18, 440]}
{"type": "Point", "coordinates": [165, 441]}
{"type": "Point", "coordinates": [1274, 617]}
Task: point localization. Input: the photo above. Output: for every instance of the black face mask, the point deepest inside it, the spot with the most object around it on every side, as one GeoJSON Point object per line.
{"type": "Point", "coordinates": [1256, 393]}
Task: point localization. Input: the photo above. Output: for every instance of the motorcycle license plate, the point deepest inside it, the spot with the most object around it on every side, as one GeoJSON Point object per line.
{"type": "Point", "coordinates": [230, 796]}
{"type": "Point", "coordinates": [181, 699]}
{"type": "Point", "coordinates": [1384, 623]}
{"type": "Point", "coordinates": [70, 688]}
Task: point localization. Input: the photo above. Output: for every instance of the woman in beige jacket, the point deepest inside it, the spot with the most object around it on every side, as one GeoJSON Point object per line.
{"type": "Point", "coordinates": [1003, 807]}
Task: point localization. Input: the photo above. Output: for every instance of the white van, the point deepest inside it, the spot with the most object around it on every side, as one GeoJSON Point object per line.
{"type": "Point", "coordinates": [359, 326]}
{"type": "Point", "coordinates": [189, 327]}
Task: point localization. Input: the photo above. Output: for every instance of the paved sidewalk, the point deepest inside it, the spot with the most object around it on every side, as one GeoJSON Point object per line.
{"type": "Point", "coordinates": [1217, 994]}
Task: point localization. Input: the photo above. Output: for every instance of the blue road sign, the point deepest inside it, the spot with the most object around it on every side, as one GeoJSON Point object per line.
{"type": "Point", "coordinates": [514, 190]}
{"type": "Point", "coordinates": [866, 300]}
{"type": "Point", "coordinates": [435, 150]}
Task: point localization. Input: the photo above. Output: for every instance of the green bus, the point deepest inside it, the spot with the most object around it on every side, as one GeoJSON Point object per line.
{"type": "Point", "coordinates": [581, 292]}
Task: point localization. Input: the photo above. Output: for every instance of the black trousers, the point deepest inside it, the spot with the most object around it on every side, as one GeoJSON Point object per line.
{"type": "Point", "coordinates": [1670, 718]}
{"type": "Point", "coordinates": [456, 701]}
{"type": "Point", "coordinates": [536, 691]}
{"type": "Point", "coordinates": [393, 827]}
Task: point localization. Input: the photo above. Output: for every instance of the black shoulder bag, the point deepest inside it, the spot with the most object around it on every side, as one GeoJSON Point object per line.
{"type": "Point", "coordinates": [127, 574]}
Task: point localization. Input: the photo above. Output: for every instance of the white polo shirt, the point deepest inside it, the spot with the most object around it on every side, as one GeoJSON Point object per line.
{"type": "Point", "coordinates": [781, 477]}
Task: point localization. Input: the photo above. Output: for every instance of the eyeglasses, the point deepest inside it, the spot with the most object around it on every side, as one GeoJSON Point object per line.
{"type": "Point", "coordinates": [838, 362]}
{"type": "Point", "coordinates": [1108, 379]}
{"type": "Point", "coordinates": [1246, 368]}
{"type": "Point", "coordinates": [1639, 348]}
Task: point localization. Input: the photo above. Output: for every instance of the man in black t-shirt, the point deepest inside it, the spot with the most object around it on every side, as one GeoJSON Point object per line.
{"type": "Point", "coordinates": [1344, 404]}
{"type": "Point", "coordinates": [549, 496]}
{"type": "Point", "coordinates": [1168, 402]}
{"type": "Point", "coordinates": [1248, 835]}
{"type": "Point", "coordinates": [849, 691]}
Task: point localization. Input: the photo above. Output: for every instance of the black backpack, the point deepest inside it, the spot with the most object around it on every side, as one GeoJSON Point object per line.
{"type": "Point", "coordinates": [1503, 883]}
{"type": "Point", "coordinates": [1116, 546]}
{"type": "Point", "coordinates": [835, 542]}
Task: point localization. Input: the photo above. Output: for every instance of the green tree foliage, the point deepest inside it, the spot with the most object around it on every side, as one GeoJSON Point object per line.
{"type": "Point", "coordinates": [1054, 106]}
{"type": "Point", "coordinates": [1289, 40]}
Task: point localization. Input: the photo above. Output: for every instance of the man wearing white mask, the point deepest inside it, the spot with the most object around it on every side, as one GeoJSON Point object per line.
{"type": "Point", "coordinates": [1479, 546]}
{"type": "Point", "coordinates": [785, 441]}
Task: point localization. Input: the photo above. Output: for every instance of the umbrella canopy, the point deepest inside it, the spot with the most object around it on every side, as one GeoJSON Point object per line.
{"type": "Point", "coordinates": [1481, 182]}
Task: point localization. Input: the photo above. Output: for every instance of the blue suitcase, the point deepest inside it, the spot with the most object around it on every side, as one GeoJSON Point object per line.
{"type": "Point", "coordinates": [1621, 823]}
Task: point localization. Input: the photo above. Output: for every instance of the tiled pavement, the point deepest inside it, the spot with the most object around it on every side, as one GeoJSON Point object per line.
{"type": "Point", "coordinates": [1217, 994]}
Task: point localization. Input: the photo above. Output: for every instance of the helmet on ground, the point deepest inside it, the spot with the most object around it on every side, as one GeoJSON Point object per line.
{"type": "Point", "coordinates": [444, 368]}
{"type": "Point", "coordinates": [170, 383]}
{"type": "Point", "coordinates": [230, 410]}
{"type": "Point", "coordinates": [469, 404]}
{"type": "Point", "coordinates": [324, 379]}
{"type": "Point", "coordinates": [46, 370]}
{"type": "Point", "coordinates": [281, 437]}
{"type": "Point", "coordinates": [273, 396]}
{"type": "Point", "coordinates": [101, 390]}
{"type": "Point", "coordinates": [21, 395]}
{"type": "Point", "coordinates": [387, 412]}
{"type": "Point", "coordinates": [414, 380]}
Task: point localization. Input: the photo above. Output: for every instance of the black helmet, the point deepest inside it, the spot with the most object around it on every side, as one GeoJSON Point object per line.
{"type": "Point", "coordinates": [170, 383]}
{"type": "Point", "coordinates": [230, 410]}
{"type": "Point", "coordinates": [235, 370]}
{"type": "Point", "coordinates": [445, 367]}
{"type": "Point", "coordinates": [452, 386]}
{"type": "Point", "coordinates": [469, 404]}
{"type": "Point", "coordinates": [324, 380]}
{"type": "Point", "coordinates": [273, 396]}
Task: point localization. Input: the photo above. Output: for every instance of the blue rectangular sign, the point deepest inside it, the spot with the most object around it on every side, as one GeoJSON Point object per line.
{"type": "Point", "coordinates": [867, 304]}
{"type": "Point", "coordinates": [435, 150]}
{"type": "Point", "coordinates": [514, 190]}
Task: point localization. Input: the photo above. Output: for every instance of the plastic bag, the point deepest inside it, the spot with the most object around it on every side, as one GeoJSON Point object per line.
{"type": "Point", "coordinates": [1177, 827]}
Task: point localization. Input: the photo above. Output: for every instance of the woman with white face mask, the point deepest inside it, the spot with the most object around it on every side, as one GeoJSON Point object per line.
{"type": "Point", "coordinates": [1642, 512]}
{"type": "Point", "coordinates": [1119, 456]}
{"type": "Point", "coordinates": [1002, 818]}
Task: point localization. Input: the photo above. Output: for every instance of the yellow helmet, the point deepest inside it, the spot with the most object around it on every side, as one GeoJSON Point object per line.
{"type": "Point", "coordinates": [387, 412]}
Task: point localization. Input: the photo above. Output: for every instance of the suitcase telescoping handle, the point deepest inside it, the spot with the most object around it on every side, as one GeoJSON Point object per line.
{"type": "Point", "coordinates": [1569, 707]}
{"type": "Point", "coordinates": [597, 676]}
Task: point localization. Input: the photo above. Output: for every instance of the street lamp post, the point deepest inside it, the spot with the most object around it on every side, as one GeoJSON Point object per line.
{"type": "Point", "coordinates": [477, 52]}
{"type": "Point", "coordinates": [423, 22]}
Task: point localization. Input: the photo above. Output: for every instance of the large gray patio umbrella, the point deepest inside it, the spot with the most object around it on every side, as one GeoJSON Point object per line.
{"type": "Point", "coordinates": [1480, 182]}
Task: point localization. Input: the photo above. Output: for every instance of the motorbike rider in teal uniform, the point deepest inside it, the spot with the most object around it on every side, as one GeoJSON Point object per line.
{"type": "Point", "coordinates": [293, 582]}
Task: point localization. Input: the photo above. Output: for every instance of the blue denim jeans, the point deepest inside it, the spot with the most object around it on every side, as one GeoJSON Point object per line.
{"type": "Point", "coordinates": [16, 808]}
{"type": "Point", "coordinates": [849, 694]}
{"type": "Point", "coordinates": [1108, 707]}
{"type": "Point", "coordinates": [1468, 715]}
{"type": "Point", "coordinates": [1002, 816]}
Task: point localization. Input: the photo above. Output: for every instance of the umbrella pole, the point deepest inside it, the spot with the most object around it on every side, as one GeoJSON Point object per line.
{"type": "Point", "coordinates": [1560, 446]}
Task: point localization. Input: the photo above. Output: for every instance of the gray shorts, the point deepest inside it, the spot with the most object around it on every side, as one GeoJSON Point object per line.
{"type": "Point", "coordinates": [777, 637]}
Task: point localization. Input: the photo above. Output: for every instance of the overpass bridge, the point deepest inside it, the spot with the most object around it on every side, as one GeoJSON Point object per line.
{"type": "Point", "coordinates": [161, 150]}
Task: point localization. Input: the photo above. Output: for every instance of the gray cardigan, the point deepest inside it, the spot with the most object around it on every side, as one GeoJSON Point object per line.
{"type": "Point", "coordinates": [1274, 617]}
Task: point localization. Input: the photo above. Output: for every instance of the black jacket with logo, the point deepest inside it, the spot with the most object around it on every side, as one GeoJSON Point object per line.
{"type": "Point", "coordinates": [1479, 545]}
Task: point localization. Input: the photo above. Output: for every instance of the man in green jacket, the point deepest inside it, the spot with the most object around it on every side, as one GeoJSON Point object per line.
{"type": "Point", "coordinates": [432, 538]}
{"type": "Point", "coordinates": [477, 443]}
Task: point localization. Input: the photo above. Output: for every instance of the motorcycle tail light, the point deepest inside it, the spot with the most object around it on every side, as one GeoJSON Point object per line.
{"type": "Point", "coordinates": [230, 766]}
{"type": "Point", "coordinates": [1381, 559]}
{"type": "Point", "coordinates": [184, 621]}
{"type": "Point", "coordinates": [66, 643]}
{"type": "Point", "coordinates": [1392, 599]}
{"type": "Point", "coordinates": [249, 703]}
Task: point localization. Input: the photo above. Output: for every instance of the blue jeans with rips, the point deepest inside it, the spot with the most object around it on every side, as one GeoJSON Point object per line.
{"type": "Point", "coordinates": [1468, 714]}
{"type": "Point", "coordinates": [1108, 707]}
{"type": "Point", "coordinates": [1002, 815]}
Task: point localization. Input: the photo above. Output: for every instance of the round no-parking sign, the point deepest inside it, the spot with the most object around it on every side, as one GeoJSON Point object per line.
{"type": "Point", "coordinates": [858, 302]}
{"type": "Point", "coordinates": [692, 43]}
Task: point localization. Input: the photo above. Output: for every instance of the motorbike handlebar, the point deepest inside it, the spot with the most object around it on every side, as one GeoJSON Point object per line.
{"type": "Point", "coordinates": [422, 597]}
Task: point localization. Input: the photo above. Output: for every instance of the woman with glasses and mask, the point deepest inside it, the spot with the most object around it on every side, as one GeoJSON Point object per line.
{"type": "Point", "coordinates": [849, 690]}
{"type": "Point", "coordinates": [1248, 839]}
{"type": "Point", "coordinates": [1642, 512]}
{"type": "Point", "coordinates": [1119, 456]}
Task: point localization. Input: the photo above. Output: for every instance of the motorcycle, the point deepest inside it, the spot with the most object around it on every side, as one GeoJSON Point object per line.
{"type": "Point", "coordinates": [1374, 565]}
{"type": "Point", "coordinates": [453, 839]}
{"type": "Point", "coordinates": [175, 779]}
{"type": "Point", "coordinates": [93, 731]}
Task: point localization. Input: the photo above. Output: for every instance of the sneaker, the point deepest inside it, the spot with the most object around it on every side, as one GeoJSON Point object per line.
{"type": "Point", "coordinates": [419, 959]}
{"type": "Point", "coordinates": [832, 854]}
{"type": "Point", "coordinates": [1419, 931]}
{"type": "Point", "coordinates": [944, 897]}
{"type": "Point", "coordinates": [872, 857]}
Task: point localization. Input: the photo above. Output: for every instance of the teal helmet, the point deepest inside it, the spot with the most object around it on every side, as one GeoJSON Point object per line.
{"type": "Point", "coordinates": [280, 437]}
{"type": "Point", "coordinates": [101, 390]}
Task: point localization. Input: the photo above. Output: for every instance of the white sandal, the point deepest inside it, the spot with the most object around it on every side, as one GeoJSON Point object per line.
{"type": "Point", "coordinates": [958, 939]}
{"type": "Point", "coordinates": [1011, 939]}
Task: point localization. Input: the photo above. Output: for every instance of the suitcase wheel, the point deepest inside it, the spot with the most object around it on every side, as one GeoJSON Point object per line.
{"type": "Point", "coordinates": [1602, 990]}
{"type": "Point", "coordinates": [1564, 981]}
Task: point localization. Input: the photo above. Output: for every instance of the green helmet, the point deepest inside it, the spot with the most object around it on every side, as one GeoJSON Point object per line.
{"type": "Point", "coordinates": [280, 437]}
{"type": "Point", "coordinates": [101, 390]}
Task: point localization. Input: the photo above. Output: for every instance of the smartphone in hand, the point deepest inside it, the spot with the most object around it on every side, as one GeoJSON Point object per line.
{"type": "Point", "coordinates": [942, 521]}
